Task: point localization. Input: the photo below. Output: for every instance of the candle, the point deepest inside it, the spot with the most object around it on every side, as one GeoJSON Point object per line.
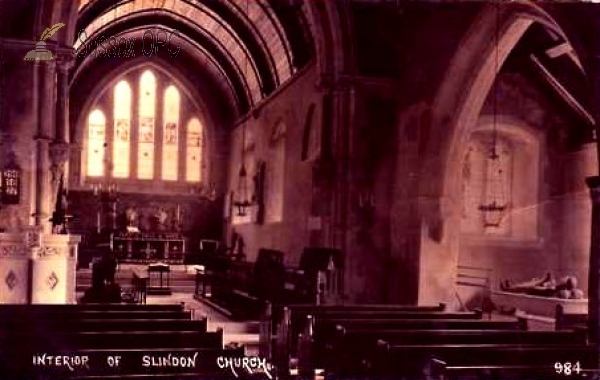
{"type": "Point", "coordinates": [177, 215]}
{"type": "Point", "coordinates": [98, 221]}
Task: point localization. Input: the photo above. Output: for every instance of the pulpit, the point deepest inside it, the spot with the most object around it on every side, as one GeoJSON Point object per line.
{"type": "Point", "coordinates": [38, 268]}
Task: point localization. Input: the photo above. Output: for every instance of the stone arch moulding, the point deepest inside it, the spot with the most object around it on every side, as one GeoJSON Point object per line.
{"type": "Point", "coordinates": [460, 98]}
{"type": "Point", "coordinates": [206, 118]}
{"type": "Point", "coordinates": [328, 28]}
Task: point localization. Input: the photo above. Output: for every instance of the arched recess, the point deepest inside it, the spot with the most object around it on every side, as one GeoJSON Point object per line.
{"type": "Point", "coordinates": [445, 130]}
{"type": "Point", "coordinates": [521, 182]}
{"type": "Point", "coordinates": [212, 132]}
{"type": "Point", "coordinates": [459, 101]}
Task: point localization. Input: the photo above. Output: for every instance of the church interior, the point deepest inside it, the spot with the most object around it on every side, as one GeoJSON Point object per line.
{"type": "Point", "coordinates": [400, 189]}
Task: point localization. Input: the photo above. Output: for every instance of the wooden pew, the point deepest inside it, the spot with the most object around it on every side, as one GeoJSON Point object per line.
{"type": "Point", "coordinates": [569, 321]}
{"type": "Point", "coordinates": [379, 316]}
{"type": "Point", "coordinates": [293, 317]}
{"type": "Point", "coordinates": [32, 343]}
{"type": "Point", "coordinates": [100, 325]}
{"type": "Point", "coordinates": [320, 331]}
{"type": "Point", "coordinates": [414, 359]}
{"type": "Point", "coordinates": [329, 326]}
{"type": "Point", "coordinates": [300, 311]}
{"type": "Point", "coordinates": [353, 346]}
{"type": "Point", "coordinates": [441, 370]}
{"type": "Point", "coordinates": [346, 339]}
{"type": "Point", "coordinates": [54, 308]}
{"type": "Point", "coordinates": [30, 335]}
{"type": "Point", "coordinates": [73, 315]}
{"type": "Point", "coordinates": [277, 321]}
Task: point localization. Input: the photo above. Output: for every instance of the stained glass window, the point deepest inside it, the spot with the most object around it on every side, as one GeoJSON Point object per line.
{"type": "Point", "coordinates": [171, 134]}
{"type": "Point", "coordinates": [195, 142]}
{"type": "Point", "coordinates": [96, 140]}
{"type": "Point", "coordinates": [147, 106]}
{"type": "Point", "coordinates": [122, 130]}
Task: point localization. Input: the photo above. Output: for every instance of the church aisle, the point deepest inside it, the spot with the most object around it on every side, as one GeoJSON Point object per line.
{"type": "Point", "coordinates": [182, 282]}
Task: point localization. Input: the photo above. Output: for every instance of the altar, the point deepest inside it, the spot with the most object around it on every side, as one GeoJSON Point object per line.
{"type": "Point", "coordinates": [148, 247]}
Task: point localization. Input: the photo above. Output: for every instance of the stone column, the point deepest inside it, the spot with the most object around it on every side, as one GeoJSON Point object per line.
{"type": "Point", "coordinates": [42, 138]}
{"type": "Point", "coordinates": [332, 172]}
{"type": "Point", "coordinates": [59, 149]}
{"type": "Point", "coordinates": [594, 272]}
{"type": "Point", "coordinates": [64, 62]}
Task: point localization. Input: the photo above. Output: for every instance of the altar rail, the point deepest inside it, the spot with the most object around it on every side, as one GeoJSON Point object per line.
{"type": "Point", "coordinates": [146, 248]}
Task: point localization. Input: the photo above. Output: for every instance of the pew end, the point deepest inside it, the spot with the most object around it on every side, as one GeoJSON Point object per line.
{"type": "Point", "coordinates": [568, 319]}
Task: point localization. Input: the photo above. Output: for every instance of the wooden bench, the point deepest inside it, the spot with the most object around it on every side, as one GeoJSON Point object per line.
{"type": "Point", "coordinates": [73, 315]}
{"type": "Point", "coordinates": [325, 340]}
{"type": "Point", "coordinates": [533, 363]}
{"type": "Point", "coordinates": [100, 325]}
{"type": "Point", "coordinates": [243, 287]}
{"type": "Point", "coordinates": [320, 331]}
{"type": "Point", "coordinates": [102, 347]}
{"type": "Point", "coordinates": [32, 343]}
{"type": "Point", "coordinates": [291, 319]}
{"type": "Point", "coordinates": [52, 308]}
{"type": "Point", "coordinates": [299, 324]}
{"type": "Point", "coordinates": [295, 313]}
{"type": "Point", "coordinates": [353, 346]}
{"type": "Point", "coordinates": [349, 338]}
{"type": "Point", "coordinates": [415, 359]}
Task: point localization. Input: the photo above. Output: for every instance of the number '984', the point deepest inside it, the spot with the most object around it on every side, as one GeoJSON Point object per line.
{"type": "Point", "coordinates": [567, 368]}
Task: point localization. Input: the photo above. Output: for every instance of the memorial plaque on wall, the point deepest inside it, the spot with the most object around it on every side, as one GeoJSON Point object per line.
{"type": "Point", "coordinates": [11, 186]}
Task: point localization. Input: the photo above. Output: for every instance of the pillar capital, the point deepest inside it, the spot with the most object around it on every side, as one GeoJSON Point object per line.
{"type": "Point", "coordinates": [59, 152]}
{"type": "Point", "coordinates": [65, 59]}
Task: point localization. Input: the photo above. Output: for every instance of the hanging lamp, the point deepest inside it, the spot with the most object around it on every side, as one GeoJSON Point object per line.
{"type": "Point", "coordinates": [242, 203]}
{"type": "Point", "coordinates": [493, 205]}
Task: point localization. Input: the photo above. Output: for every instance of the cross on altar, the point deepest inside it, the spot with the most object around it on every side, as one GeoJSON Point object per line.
{"type": "Point", "coordinates": [148, 251]}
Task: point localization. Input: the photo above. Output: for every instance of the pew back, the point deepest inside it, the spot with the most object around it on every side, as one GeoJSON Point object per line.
{"type": "Point", "coordinates": [100, 325]}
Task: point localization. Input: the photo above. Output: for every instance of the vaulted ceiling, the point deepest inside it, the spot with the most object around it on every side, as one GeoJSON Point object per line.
{"type": "Point", "coordinates": [245, 48]}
